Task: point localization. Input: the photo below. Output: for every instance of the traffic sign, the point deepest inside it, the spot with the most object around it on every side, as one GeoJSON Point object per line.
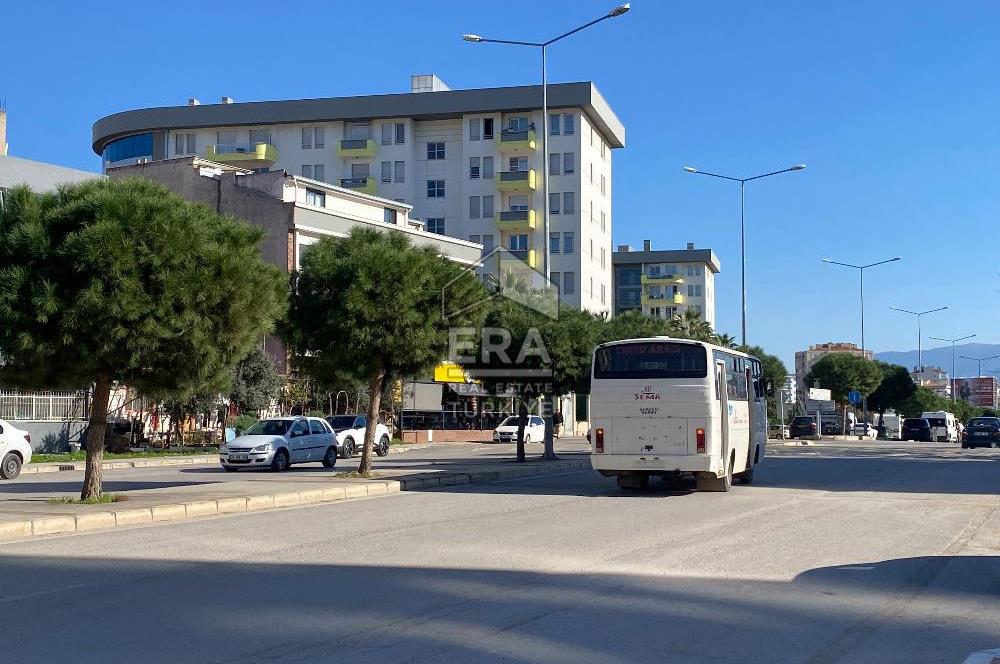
{"type": "Point", "coordinates": [854, 396]}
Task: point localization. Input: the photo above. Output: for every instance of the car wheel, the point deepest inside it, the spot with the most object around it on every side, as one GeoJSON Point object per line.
{"type": "Point", "coordinates": [330, 458]}
{"type": "Point", "coordinates": [10, 467]}
{"type": "Point", "coordinates": [348, 448]}
{"type": "Point", "coordinates": [280, 461]}
{"type": "Point", "coordinates": [383, 446]}
{"type": "Point", "coordinates": [709, 482]}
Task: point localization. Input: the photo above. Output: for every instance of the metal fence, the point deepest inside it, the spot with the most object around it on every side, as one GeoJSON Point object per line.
{"type": "Point", "coordinates": [43, 406]}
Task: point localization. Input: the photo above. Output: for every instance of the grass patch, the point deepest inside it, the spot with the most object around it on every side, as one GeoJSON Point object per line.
{"type": "Point", "coordinates": [66, 457]}
{"type": "Point", "coordinates": [356, 475]}
{"type": "Point", "coordinates": [104, 498]}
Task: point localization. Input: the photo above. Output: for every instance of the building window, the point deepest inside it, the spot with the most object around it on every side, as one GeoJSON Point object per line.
{"type": "Point", "coordinates": [435, 189]}
{"type": "Point", "coordinates": [386, 133]}
{"type": "Point", "coordinates": [487, 243]}
{"type": "Point", "coordinates": [389, 216]}
{"type": "Point", "coordinates": [569, 162]}
{"type": "Point", "coordinates": [487, 127]}
{"type": "Point", "coordinates": [473, 129]}
{"type": "Point", "coordinates": [307, 170]}
{"type": "Point", "coordinates": [386, 171]}
{"type": "Point", "coordinates": [517, 124]}
{"type": "Point", "coordinates": [592, 211]}
{"type": "Point", "coordinates": [488, 209]}
{"type": "Point", "coordinates": [568, 240]}
{"type": "Point", "coordinates": [435, 150]}
{"type": "Point", "coordinates": [591, 172]}
{"type": "Point", "coordinates": [603, 221]}
{"type": "Point", "coordinates": [554, 203]}
{"type": "Point", "coordinates": [603, 256]}
{"type": "Point", "coordinates": [319, 172]}
{"type": "Point", "coordinates": [307, 138]}
{"type": "Point", "coordinates": [473, 207]}
{"type": "Point", "coordinates": [591, 289]}
{"type": "Point", "coordinates": [568, 123]}
{"type": "Point", "coordinates": [359, 131]}
{"type": "Point", "coordinates": [473, 168]}
{"type": "Point", "coordinates": [555, 163]}
{"type": "Point", "coordinates": [603, 181]}
{"type": "Point", "coordinates": [435, 225]}
{"type": "Point", "coordinates": [400, 171]}
{"type": "Point", "coordinates": [554, 279]}
{"type": "Point", "coordinates": [184, 144]}
{"type": "Point", "coordinates": [476, 239]}
{"type": "Point", "coordinates": [260, 136]}
{"type": "Point", "coordinates": [226, 137]}
{"type": "Point", "coordinates": [694, 290]}
{"type": "Point", "coordinates": [400, 133]}
{"type": "Point", "coordinates": [569, 203]}
{"type": "Point", "coordinates": [315, 197]}
{"type": "Point", "coordinates": [569, 283]}
{"type": "Point", "coordinates": [604, 150]}
{"type": "Point", "coordinates": [554, 129]}
{"type": "Point", "coordinates": [518, 164]}
{"type": "Point", "coordinates": [487, 167]}
{"type": "Point", "coordinates": [602, 293]}
{"type": "Point", "coordinates": [553, 243]}
{"type": "Point", "coordinates": [517, 242]}
{"type": "Point", "coordinates": [591, 252]}
{"type": "Point", "coordinates": [319, 140]}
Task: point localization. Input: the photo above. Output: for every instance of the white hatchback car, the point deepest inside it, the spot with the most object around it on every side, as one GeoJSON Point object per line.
{"type": "Point", "coordinates": [15, 450]}
{"type": "Point", "coordinates": [279, 442]}
{"type": "Point", "coordinates": [506, 432]}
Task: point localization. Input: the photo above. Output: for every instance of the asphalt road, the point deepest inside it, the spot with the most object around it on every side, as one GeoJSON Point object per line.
{"type": "Point", "coordinates": [848, 553]}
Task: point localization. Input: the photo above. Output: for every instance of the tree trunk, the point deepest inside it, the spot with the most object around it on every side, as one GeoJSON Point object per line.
{"type": "Point", "coordinates": [550, 450]}
{"type": "Point", "coordinates": [522, 421]}
{"type": "Point", "coordinates": [375, 386]}
{"type": "Point", "coordinates": [95, 438]}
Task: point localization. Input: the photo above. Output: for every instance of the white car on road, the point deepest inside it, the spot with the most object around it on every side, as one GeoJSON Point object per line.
{"type": "Point", "coordinates": [350, 430]}
{"type": "Point", "coordinates": [279, 442]}
{"type": "Point", "coordinates": [534, 432]}
{"type": "Point", "coordinates": [15, 450]}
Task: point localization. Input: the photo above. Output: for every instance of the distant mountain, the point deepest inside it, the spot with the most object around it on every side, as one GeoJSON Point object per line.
{"type": "Point", "coordinates": [941, 357]}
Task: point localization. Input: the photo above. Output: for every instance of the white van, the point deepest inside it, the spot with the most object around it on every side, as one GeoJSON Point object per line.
{"type": "Point", "coordinates": [944, 427]}
{"type": "Point", "coordinates": [893, 424]}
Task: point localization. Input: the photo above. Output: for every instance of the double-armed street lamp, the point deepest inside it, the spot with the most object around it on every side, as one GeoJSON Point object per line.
{"type": "Point", "coordinates": [919, 315]}
{"type": "Point", "coordinates": [980, 360]}
{"type": "Point", "coordinates": [743, 242]}
{"type": "Point", "coordinates": [953, 342]}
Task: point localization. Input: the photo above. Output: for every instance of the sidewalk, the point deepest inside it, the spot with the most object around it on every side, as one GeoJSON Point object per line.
{"type": "Point", "coordinates": [191, 490]}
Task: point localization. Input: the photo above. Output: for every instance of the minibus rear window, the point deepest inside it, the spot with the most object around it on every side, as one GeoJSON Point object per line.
{"type": "Point", "coordinates": [651, 360]}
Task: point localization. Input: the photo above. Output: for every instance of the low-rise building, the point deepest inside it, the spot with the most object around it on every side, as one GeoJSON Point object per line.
{"type": "Point", "coordinates": [805, 359]}
{"type": "Point", "coordinates": [664, 283]}
{"type": "Point", "coordinates": [933, 378]}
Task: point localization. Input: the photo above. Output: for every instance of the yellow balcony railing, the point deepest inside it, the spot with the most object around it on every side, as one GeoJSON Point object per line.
{"type": "Point", "coordinates": [516, 180]}
{"type": "Point", "coordinates": [257, 155]}
{"type": "Point", "coordinates": [357, 147]}
{"type": "Point", "coordinates": [516, 142]}
{"type": "Point", "coordinates": [662, 300]}
{"type": "Point", "coordinates": [653, 279]}
{"type": "Point", "coordinates": [513, 220]}
{"type": "Point", "coordinates": [513, 258]}
{"type": "Point", "coordinates": [366, 184]}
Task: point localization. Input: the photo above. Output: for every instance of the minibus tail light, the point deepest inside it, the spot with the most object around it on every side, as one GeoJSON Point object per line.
{"type": "Point", "coordinates": [599, 440]}
{"type": "Point", "coordinates": [699, 436]}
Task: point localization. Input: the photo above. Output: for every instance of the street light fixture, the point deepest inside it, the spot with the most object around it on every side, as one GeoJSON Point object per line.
{"type": "Point", "coordinates": [919, 314]}
{"type": "Point", "coordinates": [980, 360]}
{"type": "Point", "coordinates": [953, 376]}
{"type": "Point", "coordinates": [743, 243]}
{"type": "Point", "coordinates": [477, 39]}
{"type": "Point", "coordinates": [861, 269]}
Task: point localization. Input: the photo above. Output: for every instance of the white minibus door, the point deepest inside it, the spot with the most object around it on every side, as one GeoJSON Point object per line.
{"type": "Point", "coordinates": [721, 386]}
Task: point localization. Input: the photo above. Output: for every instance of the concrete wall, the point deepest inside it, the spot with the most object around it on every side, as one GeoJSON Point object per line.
{"type": "Point", "coordinates": [52, 436]}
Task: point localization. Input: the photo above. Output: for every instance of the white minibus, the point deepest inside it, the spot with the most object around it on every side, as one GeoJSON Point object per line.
{"type": "Point", "coordinates": [664, 406]}
{"type": "Point", "coordinates": [944, 427]}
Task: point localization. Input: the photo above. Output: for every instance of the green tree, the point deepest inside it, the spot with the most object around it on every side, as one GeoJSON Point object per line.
{"type": "Point", "coordinates": [370, 304]}
{"type": "Point", "coordinates": [256, 382]}
{"type": "Point", "coordinates": [774, 375]}
{"type": "Point", "coordinates": [690, 325]}
{"type": "Point", "coordinates": [632, 324]}
{"type": "Point", "coordinates": [123, 281]}
{"type": "Point", "coordinates": [842, 372]}
{"type": "Point", "coordinates": [894, 389]}
{"type": "Point", "coordinates": [923, 400]}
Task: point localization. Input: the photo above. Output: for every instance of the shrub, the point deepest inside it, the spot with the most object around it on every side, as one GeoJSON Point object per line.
{"type": "Point", "coordinates": [316, 413]}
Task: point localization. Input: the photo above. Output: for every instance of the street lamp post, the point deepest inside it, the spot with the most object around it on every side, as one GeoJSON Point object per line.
{"type": "Point", "coordinates": [953, 342]}
{"type": "Point", "coordinates": [743, 242]}
{"type": "Point", "coordinates": [980, 360]}
{"type": "Point", "coordinates": [919, 314]}
{"type": "Point", "coordinates": [861, 270]}
{"type": "Point", "coordinates": [476, 39]}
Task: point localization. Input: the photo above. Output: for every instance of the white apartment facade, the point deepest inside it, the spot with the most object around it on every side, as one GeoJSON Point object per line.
{"type": "Point", "coordinates": [469, 162]}
{"type": "Point", "coordinates": [664, 283]}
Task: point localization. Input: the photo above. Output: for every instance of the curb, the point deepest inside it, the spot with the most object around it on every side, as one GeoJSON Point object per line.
{"type": "Point", "coordinates": [174, 512]}
{"type": "Point", "coordinates": [155, 462]}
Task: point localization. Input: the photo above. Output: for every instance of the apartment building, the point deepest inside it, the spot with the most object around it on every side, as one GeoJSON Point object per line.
{"type": "Point", "coordinates": [933, 378]}
{"type": "Point", "coordinates": [469, 162]}
{"type": "Point", "coordinates": [805, 359]}
{"type": "Point", "coordinates": [665, 282]}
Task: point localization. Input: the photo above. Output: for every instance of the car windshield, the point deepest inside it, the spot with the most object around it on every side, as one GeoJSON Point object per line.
{"type": "Point", "coordinates": [803, 420]}
{"type": "Point", "coordinates": [269, 428]}
{"type": "Point", "coordinates": [984, 423]}
{"type": "Point", "coordinates": [936, 421]}
{"type": "Point", "coordinates": [915, 423]}
{"type": "Point", "coordinates": [509, 422]}
{"type": "Point", "coordinates": [341, 421]}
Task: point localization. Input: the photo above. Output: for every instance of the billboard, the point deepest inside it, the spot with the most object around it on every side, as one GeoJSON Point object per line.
{"type": "Point", "coordinates": [818, 394]}
{"type": "Point", "coordinates": [981, 392]}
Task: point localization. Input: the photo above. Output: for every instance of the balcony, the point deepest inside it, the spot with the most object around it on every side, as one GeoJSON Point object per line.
{"type": "Point", "coordinates": [662, 279]}
{"type": "Point", "coordinates": [258, 155]}
{"type": "Point", "coordinates": [357, 147]}
{"type": "Point", "coordinates": [516, 142]}
{"type": "Point", "coordinates": [516, 180]}
{"type": "Point", "coordinates": [365, 185]}
{"type": "Point", "coordinates": [662, 300]}
{"type": "Point", "coordinates": [514, 220]}
{"type": "Point", "coordinates": [518, 258]}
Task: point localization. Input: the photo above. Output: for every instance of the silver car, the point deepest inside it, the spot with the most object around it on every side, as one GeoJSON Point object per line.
{"type": "Point", "coordinates": [279, 442]}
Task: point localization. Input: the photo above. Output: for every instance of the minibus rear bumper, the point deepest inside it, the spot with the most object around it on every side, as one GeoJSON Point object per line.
{"type": "Point", "coordinates": [612, 464]}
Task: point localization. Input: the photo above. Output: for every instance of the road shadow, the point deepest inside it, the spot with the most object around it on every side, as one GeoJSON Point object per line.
{"type": "Point", "coordinates": [73, 486]}
{"type": "Point", "coordinates": [933, 609]}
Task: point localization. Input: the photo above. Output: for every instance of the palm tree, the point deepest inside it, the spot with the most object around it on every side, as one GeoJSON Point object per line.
{"type": "Point", "coordinates": [727, 340]}
{"type": "Point", "coordinates": [689, 325]}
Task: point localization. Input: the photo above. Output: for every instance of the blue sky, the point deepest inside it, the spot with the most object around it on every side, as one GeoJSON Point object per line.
{"type": "Point", "coordinates": [892, 104]}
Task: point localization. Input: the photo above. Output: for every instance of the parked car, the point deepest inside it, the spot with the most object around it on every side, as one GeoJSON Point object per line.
{"type": "Point", "coordinates": [944, 426]}
{"type": "Point", "coordinates": [832, 428]}
{"type": "Point", "coordinates": [861, 429]}
{"type": "Point", "coordinates": [916, 428]}
{"type": "Point", "coordinates": [15, 450]}
{"type": "Point", "coordinates": [803, 426]}
{"type": "Point", "coordinates": [776, 431]}
{"type": "Point", "coordinates": [279, 442]}
{"type": "Point", "coordinates": [982, 432]}
{"type": "Point", "coordinates": [350, 430]}
{"type": "Point", "coordinates": [506, 431]}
